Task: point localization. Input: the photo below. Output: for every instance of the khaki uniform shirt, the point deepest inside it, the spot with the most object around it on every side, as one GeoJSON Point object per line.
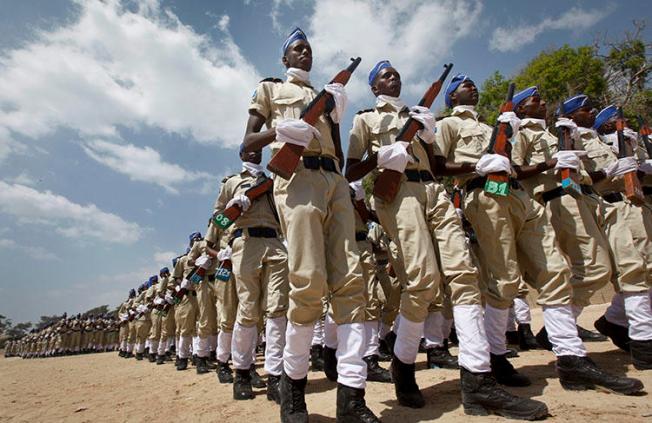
{"type": "Point", "coordinates": [599, 155]}
{"type": "Point", "coordinates": [276, 101]}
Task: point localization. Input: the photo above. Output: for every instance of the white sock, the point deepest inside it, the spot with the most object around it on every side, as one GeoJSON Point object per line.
{"type": "Point", "coordinates": [162, 347]}
{"type": "Point", "coordinates": [639, 316]}
{"type": "Point", "coordinates": [296, 354]}
{"type": "Point", "coordinates": [202, 347]}
{"type": "Point", "coordinates": [522, 311]}
{"type": "Point", "coordinates": [495, 323]}
{"type": "Point", "coordinates": [616, 311]}
{"type": "Point", "coordinates": [195, 344]}
{"type": "Point", "coordinates": [511, 320]}
{"type": "Point", "coordinates": [184, 346]}
{"type": "Point", "coordinates": [371, 338]}
{"type": "Point", "coordinates": [244, 339]}
{"type": "Point", "coordinates": [407, 340]}
{"type": "Point", "coordinates": [224, 346]}
{"type": "Point", "coordinates": [433, 330]}
{"type": "Point", "coordinates": [153, 347]}
{"type": "Point", "coordinates": [275, 336]}
{"type": "Point", "coordinates": [473, 344]}
{"type": "Point", "coordinates": [562, 331]}
{"type": "Point", "coordinates": [351, 369]}
{"type": "Point", "coordinates": [330, 332]}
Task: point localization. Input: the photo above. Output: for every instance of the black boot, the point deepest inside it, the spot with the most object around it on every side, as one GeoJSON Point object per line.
{"type": "Point", "coordinates": [173, 349]}
{"type": "Point", "coordinates": [212, 358]}
{"type": "Point", "coordinates": [542, 339]}
{"type": "Point", "coordinates": [641, 354]}
{"type": "Point", "coordinates": [511, 353]}
{"type": "Point", "coordinates": [152, 358]}
{"type": "Point", "coordinates": [452, 337]}
{"type": "Point", "coordinates": [384, 353]}
{"type": "Point", "coordinates": [405, 385]}
{"type": "Point", "coordinates": [390, 339]}
{"type": "Point", "coordinates": [316, 358]}
{"type": "Point", "coordinates": [511, 337]}
{"type": "Point", "coordinates": [182, 364]}
{"type": "Point", "coordinates": [121, 353]}
{"type": "Point", "coordinates": [293, 399]}
{"type": "Point", "coordinates": [193, 359]}
{"type": "Point", "coordinates": [202, 366]}
{"type": "Point", "coordinates": [482, 396]}
{"type": "Point", "coordinates": [139, 356]}
{"type": "Point", "coordinates": [422, 346]}
{"type": "Point", "coordinates": [526, 339]}
{"type": "Point", "coordinates": [505, 373]}
{"type": "Point", "coordinates": [273, 393]}
{"type": "Point", "coordinates": [375, 373]}
{"type": "Point", "coordinates": [330, 364]}
{"type": "Point", "coordinates": [160, 359]}
{"type": "Point", "coordinates": [351, 407]}
{"type": "Point", "coordinates": [581, 373]}
{"type": "Point", "coordinates": [224, 373]}
{"type": "Point", "coordinates": [618, 334]}
{"type": "Point", "coordinates": [441, 358]}
{"type": "Point", "coordinates": [256, 380]}
{"type": "Point", "coordinates": [242, 389]}
{"type": "Point", "coordinates": [588, 336]}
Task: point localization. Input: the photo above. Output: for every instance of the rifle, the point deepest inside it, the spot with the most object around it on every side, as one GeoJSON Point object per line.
{"type": "Point", "coordinates": [388, 182]}
{"type": "Point", "coordinates": [498, 183]}
{"type": "Point", "coordinates": [633, 190]}
{"type": "Point", "coordinates": [645, 132]}
{"type": "Point", "coordinates": [569, 177]}
{"type": "Point", "coordinates": [286, 160]}
{"type": "Point", "coordinates": [227, 217]}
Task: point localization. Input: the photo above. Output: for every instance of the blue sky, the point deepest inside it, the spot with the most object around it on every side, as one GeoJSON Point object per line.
{"type": "Point", "coordinates": [119, 119]}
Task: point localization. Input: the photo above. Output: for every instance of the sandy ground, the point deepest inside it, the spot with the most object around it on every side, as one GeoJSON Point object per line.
{"type": "Point", "coordinates": [106, 388]}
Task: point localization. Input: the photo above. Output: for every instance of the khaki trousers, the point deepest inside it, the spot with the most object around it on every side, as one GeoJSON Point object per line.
{"type": "Point", "coordinates": [207, 314]}
{"type": "Point", "coordinates": [316, 216]}
{"type": "Point", "coordinates": [227, 303]}
{"type": "Point", "coordinates": [185, 315]}
{"type": "Point", "coordinates": [168, 325]}
{"type": "Point", "coordinates": [155, 329]}
{"type": "Point", "coordinates": [372, 283]}
{"type": "Point", "coordinates": [142, 330]}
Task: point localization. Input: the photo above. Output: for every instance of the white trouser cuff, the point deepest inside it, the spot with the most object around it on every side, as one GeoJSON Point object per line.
{"type": "Point", "coordinates": [407, 340]}
{"type": "Point", "coordinates": [370, 338]}
{"type": "Point", "coordinates": [123, 345]}
{"type": "Point", "coordinates": [318, 333]}
{"type": "Point", "coordinates": [162, 347]}
{"type": "Point", "coordinates": [153, 347]}
{"type": "Point", "coordinates": [616, 311]}
{"type": "Point", "coordinates": [511, 320]}
{"type": "Point", "coordinates": [195, 344]}
{"type": "Point", "coordinates": [212, 342]}
{"type": "Point", "coordinates": [522, 311]}
{"type": "Point", "coordinates": [224, 346]}
{"type": "Point", "coordinates": [433, 330]}
{"type": "Point", "coordinates": [244, 339]}
{"type": "Point", "coordinates": [184, 346]}
{"type": "Point", "coordinates": [639, 315]}
{"type": "Point", "coordinates": [140, 348]}
{"type": "Point", "coordinates": [171, 341]}
{"type": "Point", "coordinates": [562, 331]}
{"type": "Point", "coordinates": [147, 344]}
{"type": "Point", "coordinates": [202, 347]}
{"type": "Point", "coordinates": [351, 369]}
{"type": "Point", "coordinates": [275, 342]}
{"type": "Point", "coordinates": [330, 332]}
{"type": "Point", "coordinates": [130, 348]}
{"type": "Point", "coordinates": [296, 353]}
{"type": "Point", "coordinates": [495, 323]}
{"type": "Point", "coordinates": [473, 344]}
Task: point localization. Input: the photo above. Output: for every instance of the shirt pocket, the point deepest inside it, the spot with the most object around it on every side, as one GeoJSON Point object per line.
{"type": "Point", "coordinates": [289, 103]}
{"type": "Point", "coordinates": [383, 132]}
{"type": "Point", "coordinates": [471, 140]}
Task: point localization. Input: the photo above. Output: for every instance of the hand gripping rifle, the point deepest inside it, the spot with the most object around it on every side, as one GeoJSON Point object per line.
{"type": "Point", "coordinates": [569, 177]}
{"type": "Point", "coordinates": [498, 183]}
{"type": "Point", "coordinates": [633, 190]}
{"type": "Point", "coordinates": [286, 160]}
{"type": "Point", "coordinates": [388, 182]}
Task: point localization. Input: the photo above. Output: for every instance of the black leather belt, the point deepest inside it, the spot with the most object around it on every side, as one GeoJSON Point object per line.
{"type": "Point", "coordinates": [587, 189]}
{"type": "Point", "coordinates": [647, 190]}
{"type": "Point", "coordinates": [418, 175]}
{"type": "Point", "coordinates": [479, 182]}
{"type": "Point", "coordinates": [361, 236]}
{"type": "Point", "coordinates": [256, 232]}
{"type": "Point", "coordinates": [320, 162]}
{"type": "Point", "coordinates": [211, 278]}
{"type": "Point", "coordinates": [552, 194]}
{"type": "Point", "coordinates": [612, 197]}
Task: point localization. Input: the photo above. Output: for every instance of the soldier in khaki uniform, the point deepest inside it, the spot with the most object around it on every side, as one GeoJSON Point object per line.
{"type": "Point", "coordinates": [316, 217]}
{"type": "Point", "coordinates": [185, 313]}
{"type": "Point", "coordinates": [535, 156]}
{"type": "Point", "coordinates": [166, 339]}
{"type": "Point", "coordinates": [261, 277]}
{"type": "Point", "coordinates": [514, 230]}
{"type": "Point", "coordinates": [156, 316]}
{"type": "Point", "coordinates": [123, 316]}
{"type": "Point", "coordinates": [628, 228]}
{"type": "Point", "coordinates": [141, 318]}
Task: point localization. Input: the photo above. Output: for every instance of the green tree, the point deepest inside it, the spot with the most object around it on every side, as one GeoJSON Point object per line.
{"type": "Point", "coordinates": [97, 310]}
{"type": "Point", "coordinates": [19, 330]}
{"type": "Point", "coordinates": [4, 324]}
{"type": "Point", "coordinates": [492, 96]}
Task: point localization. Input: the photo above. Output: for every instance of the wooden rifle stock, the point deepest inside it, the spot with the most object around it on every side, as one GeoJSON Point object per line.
{"type": "Point", "coordinates": [645, 133]}
{"type": "Point", "coordinates": [388, 182]}
{"type": "Point", "coordinates": [498, 183]}
{"type": "Point", "coordinates": [227, 217]}
{"type": "Point", "coordinates": [633, 190]}
{"type": "Point", "coordinates": [570, 180]}
{"type": "Point", "coordinates": [286, 160]}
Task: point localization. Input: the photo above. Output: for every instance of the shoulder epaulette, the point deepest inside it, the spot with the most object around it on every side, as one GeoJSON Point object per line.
{"type": "Point", "coordinates": [226, 178]}
{"type": "Point", "coordinates": [364, 111]}
{"type": "Point", "coordinates": [275, 80]}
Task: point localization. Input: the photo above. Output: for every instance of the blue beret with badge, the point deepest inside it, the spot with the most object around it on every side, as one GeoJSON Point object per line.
{"type": "Point", "coordinates": [296, 35]}
{"type": "Point", "coordinates": [524, 95]}
{"type": "Point", "coordinates": [574, 103]}
{"type": "Point", "coordinates": [604, 115]}
{"type": "Point", "coordinates": [376, 69]}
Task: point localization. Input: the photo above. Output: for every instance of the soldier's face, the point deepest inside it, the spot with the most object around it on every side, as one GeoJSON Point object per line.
{"type": "Point", "coordinates": [533, 107]}
{"type": "Point", "coordinates": [298, 55]}
{"type": "Point", "coordinates": [387, 82]}
{"type": "Point", "coordinates": [253, 157]}
{"type": "Point", "coordinates": [584, 116]}
{"type": "Point", "coordinates": [465, 95]}
{"type": "Point", "coordinates": [608, 127]}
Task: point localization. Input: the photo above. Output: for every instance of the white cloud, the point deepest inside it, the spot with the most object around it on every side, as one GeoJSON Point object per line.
{"type": "Point", "coordinates": [142, 164]}
{"type": "Point", "coordinates": [506, 39]}
{"type": "Point", "coordinates": [69, 219]}
{"type": "Point", "coordinates": [112, 67]}
{"type": "Point", "coordinates": [223, 23]}
{"type": "Point", "coordinates": [275, 15]}
{"type": "Point", "coordinates": [164, 259]}
{"type": "Point", "coordinates": [23, 179]}
{"type": "Point", "coordinates": [415, 35]}
{"type": "Point", "coordinates": [35, 252]}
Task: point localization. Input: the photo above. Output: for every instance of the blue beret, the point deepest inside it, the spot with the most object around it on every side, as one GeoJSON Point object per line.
{"type": "Point", "coordinates": [604, 115]}
{"type": "Point", "coordinates": [164, 270]}
{"type": "Point", "coordinates": [153, 280]}
{"type": "Point", "coordinates": [523, 95]}
{"type": "Point", "coordinates": [132, 293]}
{"type": "Point", "coordinates": [194, 235]}
{"type": "Point", "coordinates": [379, 66]}
{"type": "Point", "coordinates": [174, 261]}
{"type": "Point", "coordinates": [574, 103]}
{"type": "Point", "coordinates": [452, 86]}
{"type": "Point", "coordinates": [295, 35]}
{"type": "Point", "coordinates": [242, 147]}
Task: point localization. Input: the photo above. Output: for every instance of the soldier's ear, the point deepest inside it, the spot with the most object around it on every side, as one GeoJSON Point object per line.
{"type": "Point", "coordinates": [285, 62]}
{"type": "Point", "coordinates": [374, 90]}
{"type": "Point", "coordinates": [453, 97]}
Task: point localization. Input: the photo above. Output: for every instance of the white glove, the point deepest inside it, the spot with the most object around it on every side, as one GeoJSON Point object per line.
{"type": "Point", "coordinates": [124, 317]}
{"type": "Point", "coordinates": [512, 119]}
{"type": "Point", "coordinates": [492, 163]}
{"type": "Point", "coordinates": [338, 92]}
{"type": "Point", "coordinates": [568, 159]}
{"type": "Point", "coordinates": [203, 261]}
{"type": "Point", "coordinates": [621, 167]}
{"type": "Point", "coordinates": [241, 200]}
{"type": "Point", "coordinates": [141, 308]}
{"type": "Point", "coordinates": [185, 284]}
{"type": "Point", "coordinates": [394, 156]}
{"type": "Point", "coordinates": [567, 123]}
{"type": "Point", "coordinates": [224, 254]}
{"type": "Point", "coordinates": [296, 131]}
{"type": "Point", "coordinates": [424, 116]}
{"type": "Point", "coordinates": [169, 298]}
{"type": "Point", "coordinates": [646, 166]}
{"type": "Point", "coordinates": [459, 213]}
{"type": "Point", "coordinates": [358, 190]}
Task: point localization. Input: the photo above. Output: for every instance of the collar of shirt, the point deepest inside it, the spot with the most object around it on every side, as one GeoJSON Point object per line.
{"type": "Point", "coordinates": [298, 75]}
{"type": "Point", "coordinates": [254, 169]}
{"type": "Point", "coordinates": [394, 102]}
{"type": "Point", "coordinates": [465, 110]}
{"type": "Point", "coordinates": [586, 132]}
{"type": "Point", "coordinates": [534, 123]}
